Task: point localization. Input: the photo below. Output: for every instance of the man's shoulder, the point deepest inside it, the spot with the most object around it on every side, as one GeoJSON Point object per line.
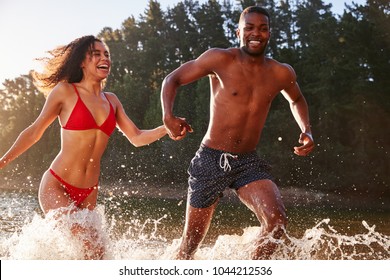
{"type": "Point", "coordinates": [216, 57]}
{"type": "Point", "coordinates": [223, 52]}
{"type": "Point", "coordinates": [276, 63]}
{"type": "Point", "coordinates": [280, 66]}
{"type": "Point", "coordinates": [281, 70]}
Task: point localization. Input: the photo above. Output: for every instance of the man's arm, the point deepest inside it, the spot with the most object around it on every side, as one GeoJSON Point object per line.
{"type": "Point", "coordinates": [187, 73]}
{"type": "Point", "coordinates": [300, 111]}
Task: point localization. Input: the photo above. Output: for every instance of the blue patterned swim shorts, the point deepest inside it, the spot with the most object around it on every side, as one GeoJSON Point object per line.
{"type": "Point", "coordinates": [212, 171]}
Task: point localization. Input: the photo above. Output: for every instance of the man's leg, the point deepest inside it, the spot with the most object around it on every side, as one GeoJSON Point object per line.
{"type": "Point", "coordinates": [197, 223]}
{"type": "Point", "coordinates": [263, 198]}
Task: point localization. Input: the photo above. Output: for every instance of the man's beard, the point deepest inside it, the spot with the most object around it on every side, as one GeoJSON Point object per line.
{"type": "Point", "coordinates": [254, 54]}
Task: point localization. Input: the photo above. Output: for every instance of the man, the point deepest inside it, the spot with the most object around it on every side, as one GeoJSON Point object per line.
{"type": "Point", "coordinates": [243, 84]}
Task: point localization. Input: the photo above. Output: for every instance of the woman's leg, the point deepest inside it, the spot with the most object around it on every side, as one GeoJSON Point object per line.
{"type": "Point", "coordinates": [52, 196]}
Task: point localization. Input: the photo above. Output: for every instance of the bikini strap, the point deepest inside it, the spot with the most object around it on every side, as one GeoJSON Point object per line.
{"type": "Point", "coordinates": [75, 88]}
{"type": "Point", "coordinates": [109, 102]}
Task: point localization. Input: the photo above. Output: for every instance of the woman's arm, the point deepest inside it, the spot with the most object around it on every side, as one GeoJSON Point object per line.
{"type": "Point", "coordinates": [33, 133]}
{"type": "Point", "coordinates": [137, 137]}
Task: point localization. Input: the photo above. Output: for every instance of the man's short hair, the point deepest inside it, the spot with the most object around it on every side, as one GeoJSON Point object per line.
{"type": "Point", "coordinates": [254, 9]}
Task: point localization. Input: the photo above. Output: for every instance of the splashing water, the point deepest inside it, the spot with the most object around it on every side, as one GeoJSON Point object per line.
{"type": "Point", "coordinates": [49, 239]}
{"type": "Point", "coordinates": [318, 243]}
{"type": "Point", "coordinates": [324, 242]}
{"type": "Point", "coordinates": [46, 238]}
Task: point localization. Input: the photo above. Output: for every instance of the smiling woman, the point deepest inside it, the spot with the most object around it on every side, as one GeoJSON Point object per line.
{"type": "Point", "coordinates": [74, 76]}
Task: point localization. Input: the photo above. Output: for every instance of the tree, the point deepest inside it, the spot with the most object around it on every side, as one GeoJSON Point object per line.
{"type": "Point", "coordinates": [182, 33]}
{"type": "Point", "coordinates": [210, 22]}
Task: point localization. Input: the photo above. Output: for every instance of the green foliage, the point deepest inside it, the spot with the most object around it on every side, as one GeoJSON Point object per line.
{"type": "Point", "coordinates": [342, 64]}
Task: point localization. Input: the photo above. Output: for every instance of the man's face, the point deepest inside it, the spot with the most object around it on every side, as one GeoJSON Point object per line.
{"type": "Point", "coordinates": [254, 33]}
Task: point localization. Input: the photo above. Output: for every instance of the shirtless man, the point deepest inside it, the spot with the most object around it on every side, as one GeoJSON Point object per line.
{"type": "Point", "coordinates": [243, 84]}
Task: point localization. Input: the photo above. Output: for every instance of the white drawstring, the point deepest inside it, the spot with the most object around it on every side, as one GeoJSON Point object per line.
{"type": "Point", "coordinates": [224, 161]}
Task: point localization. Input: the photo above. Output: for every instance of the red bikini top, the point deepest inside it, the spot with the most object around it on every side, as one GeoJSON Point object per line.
{"type": "Point", "coordinates": [82, 119]}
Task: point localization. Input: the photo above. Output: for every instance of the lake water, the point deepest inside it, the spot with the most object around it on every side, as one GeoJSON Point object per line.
{"type": "Point", "coordinates": [138, 227]}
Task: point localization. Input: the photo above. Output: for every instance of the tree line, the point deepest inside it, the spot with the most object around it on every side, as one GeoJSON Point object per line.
{"type": "Point", "coordinates": [342, 64]}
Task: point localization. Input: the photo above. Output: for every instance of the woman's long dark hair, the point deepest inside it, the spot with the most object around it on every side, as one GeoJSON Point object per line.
{"type": "Point", "coordinates": [64, 63]}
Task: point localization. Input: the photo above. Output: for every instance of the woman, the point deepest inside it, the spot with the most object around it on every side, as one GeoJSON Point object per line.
{"type": "Point", "coordinates": [75, 76]}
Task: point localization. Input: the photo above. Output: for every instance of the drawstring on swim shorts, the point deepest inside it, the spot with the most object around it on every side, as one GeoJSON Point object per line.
{"type": "Point", "coordinates": [224, 161]}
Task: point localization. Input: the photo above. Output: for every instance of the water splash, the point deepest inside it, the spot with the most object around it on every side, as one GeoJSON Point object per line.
{"type": "Point", "coordinates": [322, 242]}
{"type": "Point", "coordinates": [45, 238]}
{"type": "Point", "coordinates": [48, 239]}
{"type": "Point", "coordinates": [140, 240]}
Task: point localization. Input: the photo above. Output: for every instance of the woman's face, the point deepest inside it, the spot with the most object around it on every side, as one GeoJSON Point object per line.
{"type": "Point", "coordinates": [97, 62]}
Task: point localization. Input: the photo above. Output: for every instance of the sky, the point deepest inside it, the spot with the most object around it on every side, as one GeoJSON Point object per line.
{"type": "Point", "coordinates": [29, 28]}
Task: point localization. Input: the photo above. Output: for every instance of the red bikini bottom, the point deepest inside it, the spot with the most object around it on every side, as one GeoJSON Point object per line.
{"type": "Point", "coordinates": [78, 195]}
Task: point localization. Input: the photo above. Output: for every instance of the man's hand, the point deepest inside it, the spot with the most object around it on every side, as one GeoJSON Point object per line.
{"type": "Point", "coordinates": [177, 128]}
{"type": "Point", "coordinates": [306, 139]}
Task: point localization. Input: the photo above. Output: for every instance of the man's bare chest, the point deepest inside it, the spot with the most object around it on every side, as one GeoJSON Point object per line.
{"type": "Point", "coordinates": [245, 88]}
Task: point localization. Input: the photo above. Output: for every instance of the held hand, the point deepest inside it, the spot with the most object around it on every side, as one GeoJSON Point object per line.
{"type": "Point", "coordinates": [177, 128]}
{"type": "Point", "coordinates": [306, 139]}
